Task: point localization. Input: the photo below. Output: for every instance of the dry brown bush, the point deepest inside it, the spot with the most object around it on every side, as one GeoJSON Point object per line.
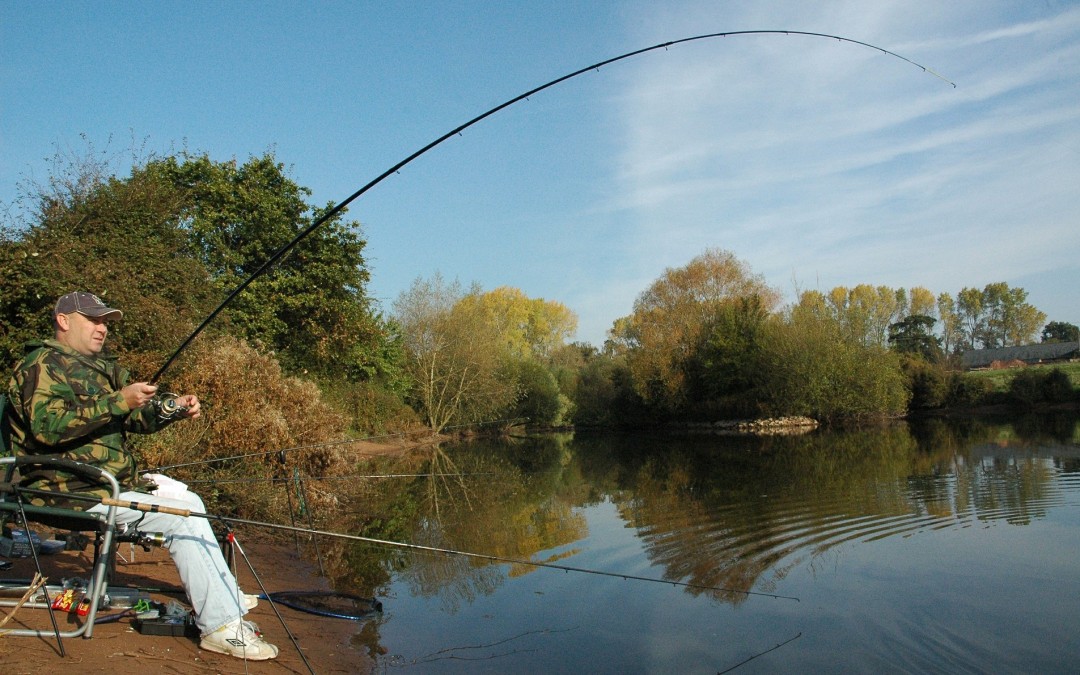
{"type": "Point", "coordinates": [258, 429]}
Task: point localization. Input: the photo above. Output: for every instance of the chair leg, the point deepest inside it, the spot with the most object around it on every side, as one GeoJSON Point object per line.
{"type": "Point", "coordinates": [96, 589]}
{"type": "Point", "coordinates": [37, 566]}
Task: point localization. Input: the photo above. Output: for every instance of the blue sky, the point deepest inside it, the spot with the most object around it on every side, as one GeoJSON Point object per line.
{"type": "Point", "coordinates": [819, 163]}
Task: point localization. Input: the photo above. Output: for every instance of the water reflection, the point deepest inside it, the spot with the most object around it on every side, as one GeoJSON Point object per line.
{"type": "Point", "coordinates": [726, 514]}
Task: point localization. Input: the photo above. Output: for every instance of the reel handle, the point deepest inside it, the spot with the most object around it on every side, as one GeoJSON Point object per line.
{"type": "Point", "coordinates": [148, 508]}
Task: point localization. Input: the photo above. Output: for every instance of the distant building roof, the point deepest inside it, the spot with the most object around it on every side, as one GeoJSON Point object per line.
{"type": "Point", "coordinates": [1045, 351]}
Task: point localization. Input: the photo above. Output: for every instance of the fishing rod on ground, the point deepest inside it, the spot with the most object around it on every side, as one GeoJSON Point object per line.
{"type": "Point", "coordinates": [334, 211]}
{"type": "Point", "coordinates": [228, 521]}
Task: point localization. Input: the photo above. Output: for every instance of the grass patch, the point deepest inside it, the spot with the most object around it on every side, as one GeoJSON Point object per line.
{"type": "Point", "coordinates": [1001, 379]}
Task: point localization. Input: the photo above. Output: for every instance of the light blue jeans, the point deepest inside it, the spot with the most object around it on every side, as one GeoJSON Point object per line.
{"type": "Point", "coordinates": [210, 585]}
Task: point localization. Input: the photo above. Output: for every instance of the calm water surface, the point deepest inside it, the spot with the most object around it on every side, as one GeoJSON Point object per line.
{"type": "Point", "coordinates": [913, 548]}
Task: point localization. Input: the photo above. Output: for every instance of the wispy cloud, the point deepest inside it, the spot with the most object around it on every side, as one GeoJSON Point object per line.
{"type": "Point", "coordinates": [806, 157]}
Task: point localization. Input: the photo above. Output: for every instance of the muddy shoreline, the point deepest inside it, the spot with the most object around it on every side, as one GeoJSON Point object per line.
{"type": "Point", "coordinates": [329, 645]}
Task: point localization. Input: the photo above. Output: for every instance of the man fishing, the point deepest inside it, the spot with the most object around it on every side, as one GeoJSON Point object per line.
{"type": "Point", "coordinates": [70, 399]}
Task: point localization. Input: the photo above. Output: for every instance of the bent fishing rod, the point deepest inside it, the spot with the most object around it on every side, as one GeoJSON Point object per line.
{"type": "Point", "coordinates": [228, 520]}
{"type": "Point", "coordinates": [280, 253]}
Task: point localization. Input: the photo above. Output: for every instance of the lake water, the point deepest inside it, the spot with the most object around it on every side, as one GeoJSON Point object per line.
{"type": "Point", "coordinates": [912, 548]}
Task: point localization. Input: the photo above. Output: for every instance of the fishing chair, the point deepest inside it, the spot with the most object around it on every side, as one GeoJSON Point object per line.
{"type": "Point", "coordinates": [15, 508]}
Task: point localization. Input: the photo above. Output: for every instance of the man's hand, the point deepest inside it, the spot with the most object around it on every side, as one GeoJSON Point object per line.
{"type": "Point", "coordinates": [138, 394]}
{"type": "Point", "coordinates": [191, 402]}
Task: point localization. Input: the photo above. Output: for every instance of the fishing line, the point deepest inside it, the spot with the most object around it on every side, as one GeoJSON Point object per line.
{"type": "Point", "coordinates": [227, 520]}
{"type": "Point", "coordinates": [457, 130]}
{"type": "Point", "coordinates": [771, 649]}
{"type": "Point", "coordinates": [485, 556]}
{"type": "Point", "coordinates": [249, 455]}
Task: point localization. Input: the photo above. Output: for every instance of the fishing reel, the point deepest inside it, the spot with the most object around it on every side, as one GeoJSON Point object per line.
{"type": "Point", "coordinates": [146, 540]}
{"type": "Point", "coordinates": [131, 534]}
{"type": "Point", "coordinates": [167, 406]}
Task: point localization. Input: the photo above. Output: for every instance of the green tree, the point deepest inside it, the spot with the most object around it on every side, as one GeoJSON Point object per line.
{"type": "Point", "coordinates": [312, 307]}
{"type": "Point", "coordinates": [120, 238]}
{"type": "Point", "coordinates": [809, 366]}
{"type": "Point", "coordinates": [1030, 388]}
{"type": "Point", "coordinates": [541, 401]}
{"type": "Point", "coordinates": [1060, 331]}
{"type": "Point", "coordinates": [730, 357]}
{"type": "Point", "coordinates": [604, 394]}
{"type": "Point", "coordinates": [927, 382]}
{"type": "Point", "coordinates": [914, 335]}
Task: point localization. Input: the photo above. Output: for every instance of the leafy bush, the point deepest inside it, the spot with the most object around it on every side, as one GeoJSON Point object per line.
{"type": "Point", "coordinates": [541, 401]}
{"type": "Point", "coordinates": [1030, 388]}
{"type": "Point", "coordinates": [807, 367]}
{"type": "Point", "coordinates": [966, 390]}
{"type": "Point", "coordinates": [928, 384]}
{"type": "Point", "coordinates": [373, 409]}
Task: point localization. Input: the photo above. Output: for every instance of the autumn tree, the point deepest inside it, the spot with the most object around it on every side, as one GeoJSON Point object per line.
{"type": "Point", "coordinates": [997, 316]}
{"type": "Point", "coordinates": [1011, 320]}
{"type": "Point", "coordinates": [969, 310]}
{"type": "Point", "coordinates": [455, 356]}
{"type": "Point", "coordinates": [530, 327]}
{"type": "Point", "coordinates": [921, 302]}
{"type": "Point", "coordinates": [951, 326]}
{"type": "Point", "coordinates": [672, 320]}
{"type": "Point", "coordinates": [865, 312]}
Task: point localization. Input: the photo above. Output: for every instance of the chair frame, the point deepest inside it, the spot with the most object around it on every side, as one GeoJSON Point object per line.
{"type": "Point", "coordinates": [14, 506]}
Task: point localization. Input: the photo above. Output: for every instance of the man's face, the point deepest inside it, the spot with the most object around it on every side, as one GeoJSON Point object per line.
{"type": "Point", "coordinates": [84, 334]}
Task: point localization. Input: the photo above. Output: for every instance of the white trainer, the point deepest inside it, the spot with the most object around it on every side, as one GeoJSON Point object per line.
{"type": "Point", "coordinates": [240, 639]}
{"type": "Point", "coordinates": [250, 601]}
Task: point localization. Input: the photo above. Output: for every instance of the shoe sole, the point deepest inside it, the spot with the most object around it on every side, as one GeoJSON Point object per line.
{"type": "Point", "coordinates": [245, 656]}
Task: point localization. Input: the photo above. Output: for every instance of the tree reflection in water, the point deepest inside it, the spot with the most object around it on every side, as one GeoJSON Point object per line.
{"type": "Point", "coordinates": [735, 513]}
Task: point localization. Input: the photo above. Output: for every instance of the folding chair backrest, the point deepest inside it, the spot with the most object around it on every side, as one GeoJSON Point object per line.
{"type": "Point", "coordinates": [59, 518]}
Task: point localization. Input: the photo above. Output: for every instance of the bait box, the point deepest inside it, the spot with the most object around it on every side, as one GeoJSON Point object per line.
{"type": "Point", "coordinates": [16, 543]}
{"type": "Point", "coordinates": [123, 598]}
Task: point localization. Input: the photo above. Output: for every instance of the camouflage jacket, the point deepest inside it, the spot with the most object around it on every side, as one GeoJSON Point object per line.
{"type": "Point", "coordinates": [61, 402]}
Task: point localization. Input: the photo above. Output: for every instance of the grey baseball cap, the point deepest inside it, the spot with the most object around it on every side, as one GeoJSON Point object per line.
{"type": "Point", "coordinates": [86, 304]}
